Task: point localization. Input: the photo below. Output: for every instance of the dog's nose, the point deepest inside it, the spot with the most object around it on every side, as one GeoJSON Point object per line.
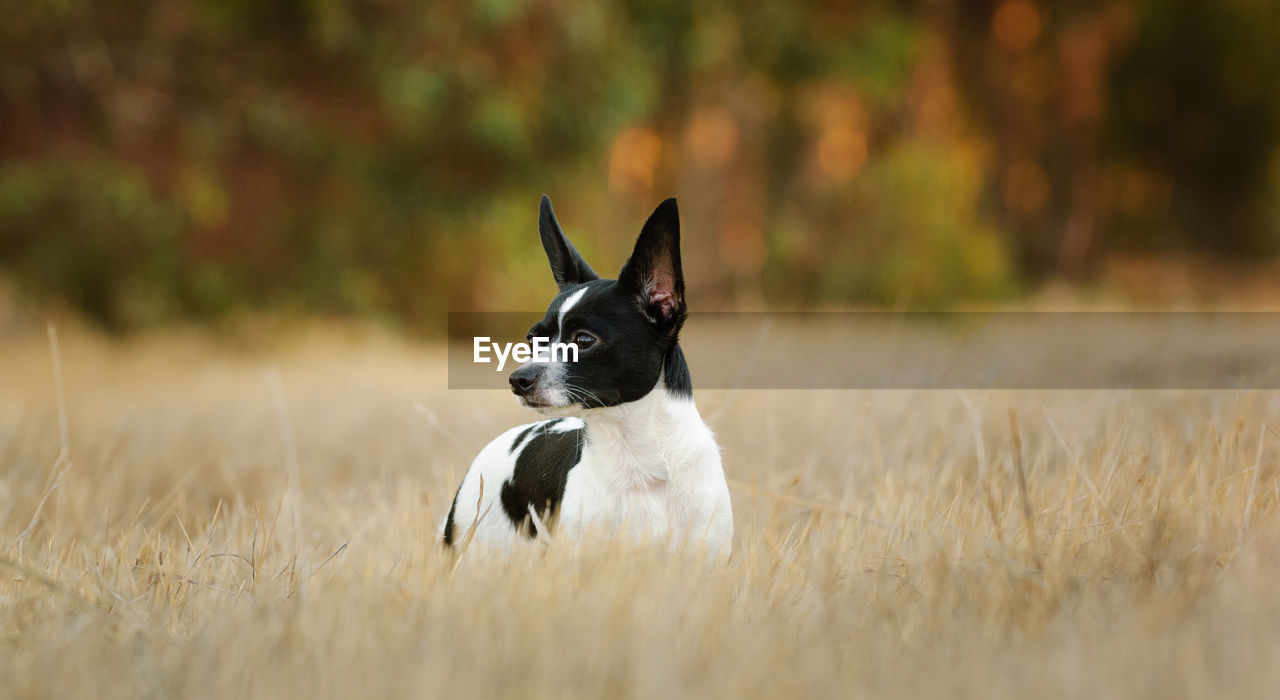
{"type": "Point", "coordinates": [523, 379]}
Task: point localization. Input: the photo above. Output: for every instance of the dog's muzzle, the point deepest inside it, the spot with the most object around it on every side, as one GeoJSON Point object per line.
{"type": "Point", "coordinates": [524, 381]}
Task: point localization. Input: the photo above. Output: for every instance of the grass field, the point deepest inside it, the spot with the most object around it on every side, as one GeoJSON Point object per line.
{"type": "Point", "coordinates": [211, 520]}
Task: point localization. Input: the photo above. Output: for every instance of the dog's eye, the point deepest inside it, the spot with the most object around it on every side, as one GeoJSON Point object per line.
{"type": "Point", "coordinates": [584, 340]}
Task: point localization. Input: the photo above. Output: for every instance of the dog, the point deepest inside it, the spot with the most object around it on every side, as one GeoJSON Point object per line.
{"type": "Point", "coordinates": [626, 452]}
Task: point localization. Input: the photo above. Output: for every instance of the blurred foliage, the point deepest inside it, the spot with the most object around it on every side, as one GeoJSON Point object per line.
{"type": "Point", "coordinates": [183, 158]}
{"type": "Point", "coordinates": [1201, 133]}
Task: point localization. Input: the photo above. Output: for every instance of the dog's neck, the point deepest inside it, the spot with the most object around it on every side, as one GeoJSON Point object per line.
{"type": "Point", "coordinates": [641, 444]}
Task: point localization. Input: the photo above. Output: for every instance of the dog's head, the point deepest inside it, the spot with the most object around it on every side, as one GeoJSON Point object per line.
{"type": "Point", "coordinates": [623, 329]}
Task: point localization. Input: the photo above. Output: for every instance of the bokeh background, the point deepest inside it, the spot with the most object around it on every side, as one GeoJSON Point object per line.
{"type": "Point", "coordinates": [170, 159]}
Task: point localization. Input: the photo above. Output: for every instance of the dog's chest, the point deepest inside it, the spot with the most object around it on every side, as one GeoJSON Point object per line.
{"type": "Point", "coordinates": [646, 488]}
{"type": "Point", "coordinates": [590, 497]}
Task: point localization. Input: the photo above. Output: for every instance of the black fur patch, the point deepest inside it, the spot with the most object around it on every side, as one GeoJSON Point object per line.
{"type": "Point", "coordinates": [448, 522]}
{"type": "Point", "coordinates": [675, 373]}
{"type": "Point", "coordinates": [543, 426]}
{"type": "Point", "coordinates": [541, 472]}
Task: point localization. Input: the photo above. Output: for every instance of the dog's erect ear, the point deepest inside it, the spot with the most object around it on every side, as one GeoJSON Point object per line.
{"type": "Point", "coordinates": [566, 265]}
{"type": "Point", "coordinates": [653, 271]}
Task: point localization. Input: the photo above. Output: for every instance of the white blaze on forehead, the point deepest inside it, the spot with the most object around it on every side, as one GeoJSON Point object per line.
{"type": "Point", "coordinates": [564, 308]}
{"type": "Point", "coordinates": [552, 390]}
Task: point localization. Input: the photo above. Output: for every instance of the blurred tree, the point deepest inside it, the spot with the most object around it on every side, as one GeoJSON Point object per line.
{"type": "Point", "coordinates": [1033, 74]}
{"type": "Point", "coordinates": [381, 157]}
{"type": "Point", "coordinates": [1195, 127]}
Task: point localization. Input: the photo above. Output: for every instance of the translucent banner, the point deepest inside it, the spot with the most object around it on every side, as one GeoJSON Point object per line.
{"type": "Point", "coordinates": [919, 350]}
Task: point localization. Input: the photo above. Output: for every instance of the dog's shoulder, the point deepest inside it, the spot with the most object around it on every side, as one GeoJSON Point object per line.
{"type": "Point", "coordinates": [525, 466]}
{"type": "Point", "coordinates": [543, 453]}
{"type": "Point", "coordinates": [535, 437]}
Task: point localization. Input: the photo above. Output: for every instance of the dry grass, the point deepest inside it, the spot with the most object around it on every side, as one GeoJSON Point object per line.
{"type": "Point", "coordinates": [231, 523]}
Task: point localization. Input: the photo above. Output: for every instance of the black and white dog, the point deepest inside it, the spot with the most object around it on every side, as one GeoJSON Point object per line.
{"type": "Point", "coordinates": [628, 452]}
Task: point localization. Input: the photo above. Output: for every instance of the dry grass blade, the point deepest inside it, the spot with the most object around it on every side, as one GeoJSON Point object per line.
{"type": "Point", "coordinates": [434, 421]}
{"type": "Point", "coordinates": [1253, 483]}
{"type": "Point", "coordinates": [63, 461]}
{"type": "Point", "coordinates": [471, 530]}
{"type": "Point", "coordinates": [60, 393]}
{"type": "Point", "coordinates": [1028, 511]}
{"type": "Point", "coordinates": [327, 559]}
{"type": "Point", "coordinates": [984, 469]}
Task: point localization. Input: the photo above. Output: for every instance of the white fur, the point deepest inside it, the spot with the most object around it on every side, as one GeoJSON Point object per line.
{"type": "Point", "coordinates": [569, 302]}
{"type": "Point", "coordinates": [650, 470]}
